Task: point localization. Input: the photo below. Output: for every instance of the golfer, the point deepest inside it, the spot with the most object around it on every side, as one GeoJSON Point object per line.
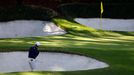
{"type": "Point", "coordinates": [32, 55]}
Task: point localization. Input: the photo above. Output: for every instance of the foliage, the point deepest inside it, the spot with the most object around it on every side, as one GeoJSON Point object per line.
{"type": "Point", "coordinates": [89, 10]}
{"type": "Point", "coordinates": [74, 10]}
{"type": "Point", "coordinates": [26, 12]}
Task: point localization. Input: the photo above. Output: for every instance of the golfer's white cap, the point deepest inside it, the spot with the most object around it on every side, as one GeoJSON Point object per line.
{"type": "Point", "coordinates": [37, 43]}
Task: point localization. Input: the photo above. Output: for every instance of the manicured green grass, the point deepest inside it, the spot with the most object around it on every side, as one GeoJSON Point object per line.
{"type": "Point", "coordinates": [76, 29]}
{"type": "Point", "coordinates": [116, 50]}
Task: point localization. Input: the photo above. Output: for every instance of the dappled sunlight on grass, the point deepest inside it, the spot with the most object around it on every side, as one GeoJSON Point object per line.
{"type": "Point", "coordinates": [70, 41]}
{"type": "Point", "coordinates": [12, 40]}
{"type": "Point", "coordinates": [33, 73]}
{"type": "Point", "coordinates": [95, 43]}
{"type": "Point", "coordinates": [38, 73]}
{"type": "Point", "coordinates": [73, 28]}
{"type": "Point", "coordinates": [30, 73]}
{"type": "Point", "coordinates": [126, 38]}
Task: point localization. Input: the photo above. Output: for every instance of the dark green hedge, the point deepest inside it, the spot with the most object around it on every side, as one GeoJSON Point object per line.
{"type": "Point", "coordinates": [122, 10]}
{"type": "Point", "coordinates": [79, 10]}
{"type": "Point", "coordinates": [111, 10]}
{"type": "Point", "coordinates": [26, 12]}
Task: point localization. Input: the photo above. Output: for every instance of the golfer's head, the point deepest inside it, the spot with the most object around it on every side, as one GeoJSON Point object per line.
{"type": "Point", "coordinates": [37, 44]}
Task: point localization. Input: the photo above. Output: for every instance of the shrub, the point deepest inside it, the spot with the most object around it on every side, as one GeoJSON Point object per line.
{"type": "Point", "coordinates": [79, 10]}
{"type": "Point", "coordinates": [26, 12]}
{"type": "Point", "coordinates": [118, 10]}
{"type": "Point", "coordinates": [111, 10]}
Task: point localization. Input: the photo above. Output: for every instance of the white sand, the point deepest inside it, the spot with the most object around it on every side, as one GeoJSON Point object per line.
{"type": "Point", "coordinates": [47, 61]}
{"type": "Point", "coordinates": [28, 28]}
{"type": "Point", "coordinates": [108, 24]}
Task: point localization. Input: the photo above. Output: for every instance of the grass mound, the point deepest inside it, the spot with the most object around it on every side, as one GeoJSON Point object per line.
{"type": "Point", "coordinates": [75, 28]}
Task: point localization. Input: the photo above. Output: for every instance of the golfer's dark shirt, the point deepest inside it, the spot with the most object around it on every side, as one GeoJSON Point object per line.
{"type": "Point", "coordinates": [33, 52]}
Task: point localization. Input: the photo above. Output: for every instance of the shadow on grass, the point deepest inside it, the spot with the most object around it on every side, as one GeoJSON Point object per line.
{"type": "Point", "coordinates": [125, 33]}
{"type": "Point", "coordinates": [67, 41]}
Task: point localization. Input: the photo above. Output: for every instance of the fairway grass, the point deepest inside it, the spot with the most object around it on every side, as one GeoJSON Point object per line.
{"type": "Point", "coordinates": [116, 50]}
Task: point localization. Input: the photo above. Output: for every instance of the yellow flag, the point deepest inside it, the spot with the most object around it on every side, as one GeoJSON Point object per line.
{"type": "Point", "coordinates": [101, 7]}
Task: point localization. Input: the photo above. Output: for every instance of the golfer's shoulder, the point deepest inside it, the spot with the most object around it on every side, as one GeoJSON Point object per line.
{"type": "Point", "coordinates": [32, 47]}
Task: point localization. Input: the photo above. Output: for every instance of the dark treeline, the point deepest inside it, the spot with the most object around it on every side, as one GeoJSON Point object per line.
{"type": "Point", "coordinates": [112, 8]}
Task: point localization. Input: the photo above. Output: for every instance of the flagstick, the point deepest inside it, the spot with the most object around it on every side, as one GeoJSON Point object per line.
{"type": "Point", "coordinates": [100, 21]}
{"type": "Point", "coordinates": [101, 12]}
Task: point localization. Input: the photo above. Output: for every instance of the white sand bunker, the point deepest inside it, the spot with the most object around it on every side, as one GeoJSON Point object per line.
{"type": "Point", "coordinates": [108, 24]}
{"type": "Point", "coordinates": [47, 61]}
